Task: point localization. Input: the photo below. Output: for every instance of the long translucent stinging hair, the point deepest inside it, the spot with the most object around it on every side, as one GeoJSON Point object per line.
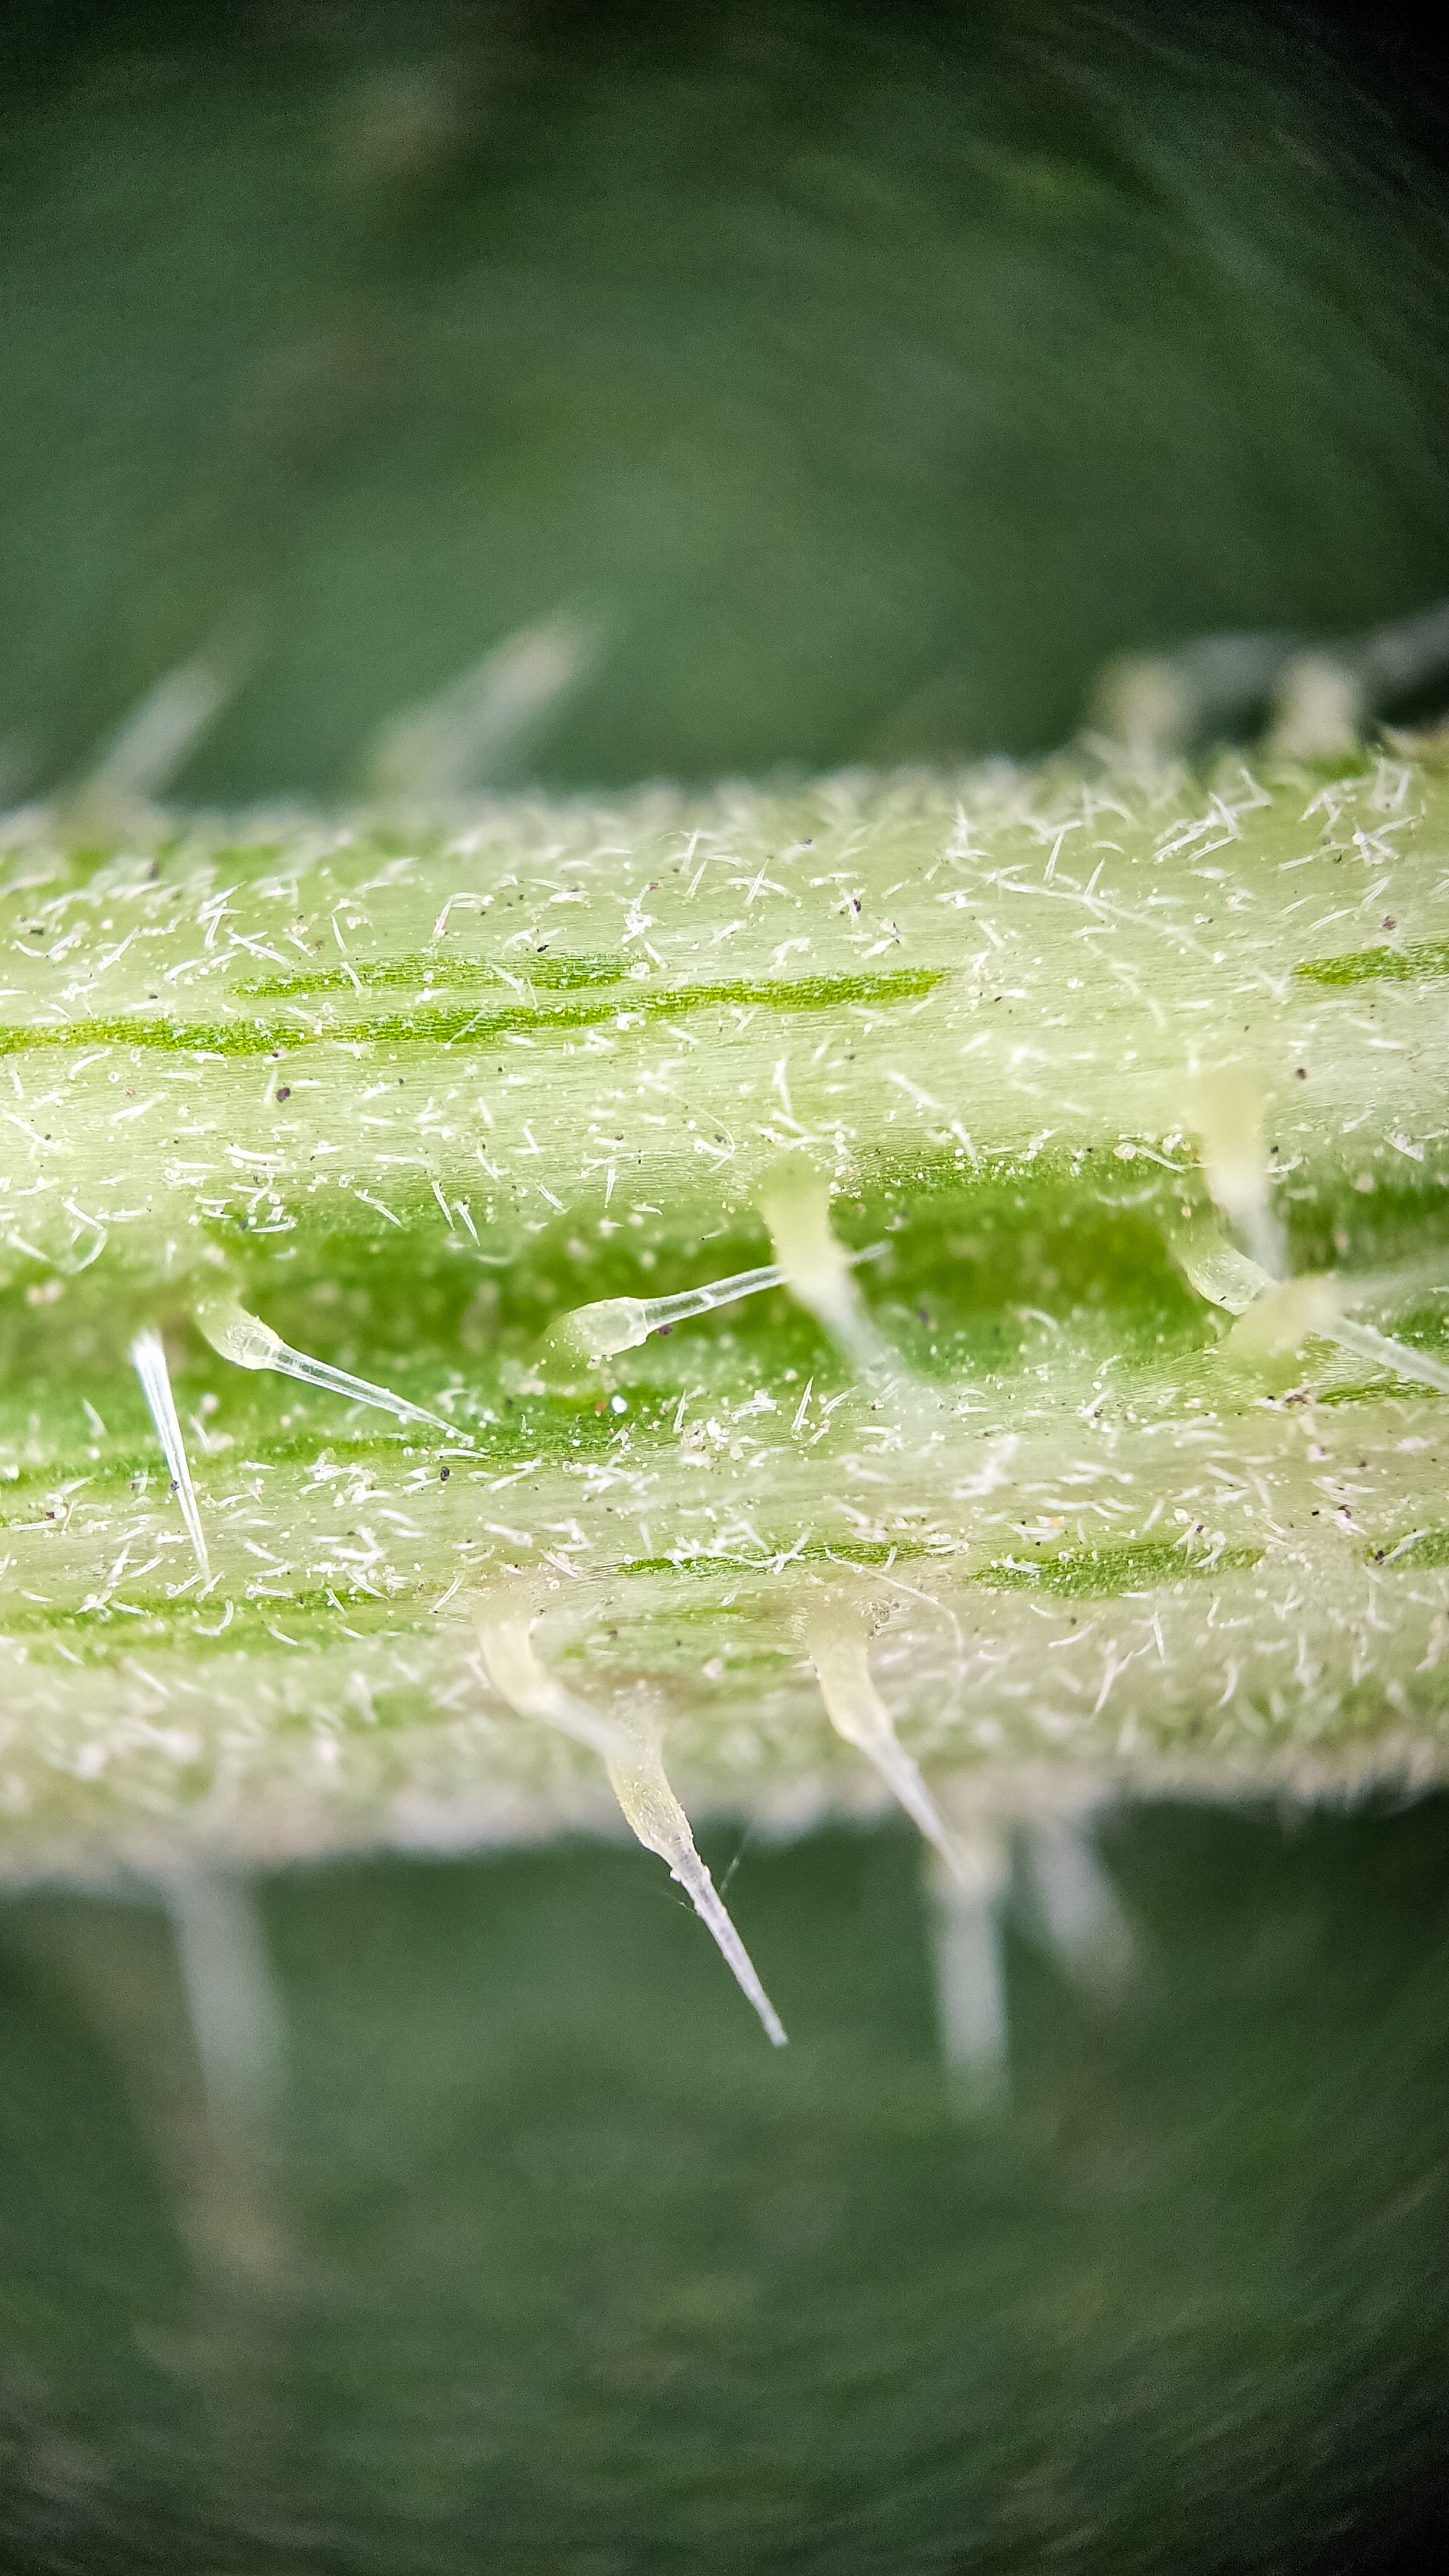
{"type": "Point", "coordinates": [504, 1618]}
{"type": "Point", "coordinates": [148, 1359]}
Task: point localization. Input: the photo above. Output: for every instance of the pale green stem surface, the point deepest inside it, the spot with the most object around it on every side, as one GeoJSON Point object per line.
{"type": "Point", "coordinates": [402, 1091]}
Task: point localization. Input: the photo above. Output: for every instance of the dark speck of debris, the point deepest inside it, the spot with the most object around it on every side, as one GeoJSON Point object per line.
{"type": "Point", "coordinates": [284, 1091]}
{"type": "Point", "coordinates": [1389, 922]}
{"type": "Point", "coordinates": [1303, 1073]}
{"type": "Point", "coordinates": [443, 1474]}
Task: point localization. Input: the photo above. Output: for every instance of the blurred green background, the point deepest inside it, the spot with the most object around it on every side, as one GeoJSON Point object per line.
{"type": "Point", "coordinates": [839, 383]}
{"type": "Point", "coordinates": [855, 377]}
{"type": "Point", "coordinates": [544, 2261]}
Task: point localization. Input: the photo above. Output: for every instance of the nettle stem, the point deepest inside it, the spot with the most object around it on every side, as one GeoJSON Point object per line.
{"type": "Point", "coordinates": [798, 1237]}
